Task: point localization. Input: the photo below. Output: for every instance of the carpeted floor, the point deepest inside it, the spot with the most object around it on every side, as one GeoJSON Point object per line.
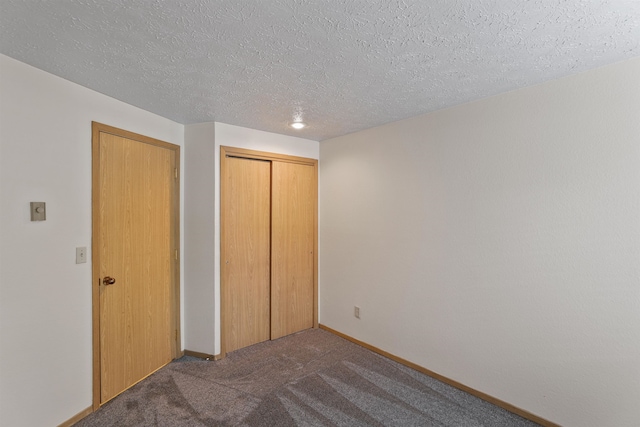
{"type": "Point", "coordinates": [312, 378]}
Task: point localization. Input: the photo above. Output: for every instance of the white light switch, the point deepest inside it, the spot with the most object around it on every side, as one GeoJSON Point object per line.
{"type": "Point", "coordinates": [81, 255]}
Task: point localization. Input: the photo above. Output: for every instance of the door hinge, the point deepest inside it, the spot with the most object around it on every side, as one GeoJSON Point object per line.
{"type": "Point", "coordinates": [176, 254]}
{"type": "Point", "coordinates": [176, 335]}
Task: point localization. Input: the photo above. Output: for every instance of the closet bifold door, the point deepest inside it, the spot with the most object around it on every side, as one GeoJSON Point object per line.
{"type": "Point", "coordinates": [246, 237]}
{"type": "Point", "coordinates": [293, 204]}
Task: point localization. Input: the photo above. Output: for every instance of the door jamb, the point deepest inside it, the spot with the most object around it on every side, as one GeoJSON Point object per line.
{"type": "Point", "coordinates": [96, 130]}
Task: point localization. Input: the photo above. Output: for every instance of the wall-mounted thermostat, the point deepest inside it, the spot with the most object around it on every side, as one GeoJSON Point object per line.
{"type": "Point", "coordinates": [38, 211]}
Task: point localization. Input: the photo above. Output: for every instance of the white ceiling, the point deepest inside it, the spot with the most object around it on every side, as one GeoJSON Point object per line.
{"type": "Point", "coordinates": [342, 65]}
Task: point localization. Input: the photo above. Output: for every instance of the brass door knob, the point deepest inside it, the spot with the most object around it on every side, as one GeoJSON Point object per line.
{"type": "Point", "coordinates": [108, 281]}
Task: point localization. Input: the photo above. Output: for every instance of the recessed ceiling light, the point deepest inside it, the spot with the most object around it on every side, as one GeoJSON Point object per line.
{"type": "Point", "coordinates": [297, 125]}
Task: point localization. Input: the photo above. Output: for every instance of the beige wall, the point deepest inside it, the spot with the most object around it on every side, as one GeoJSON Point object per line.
{"type": "Point", "coordinates": [45, 297]}
{"type": "Point", "coordinates": [498, 243]}
{"type": "Point", "coordinates": [199, 252]}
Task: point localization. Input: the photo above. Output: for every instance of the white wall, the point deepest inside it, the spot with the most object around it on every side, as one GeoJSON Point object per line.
{"type": "Point", "coordinates": [199, 298]}
{"type": "Point", "coordinates": [235, 136]}
{"type": "Point", "coordinates": [45, 298]}
{"type": "Point", "coordinates": [498, 243]}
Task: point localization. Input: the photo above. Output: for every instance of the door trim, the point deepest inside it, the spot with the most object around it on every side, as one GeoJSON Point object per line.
{"type": "Point", "coordinates": [226, 152]}
{"type": "Point", "coordinates": [96, 130]}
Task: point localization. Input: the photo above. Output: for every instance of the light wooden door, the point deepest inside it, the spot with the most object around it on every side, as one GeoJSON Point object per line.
{"type": "Point", "coordinates": [135, 227]}
{"type": "Point", "coordinates": [292, 244]}
{"type": "Point", "coordinates": [246, 236]}
{"type": "Point", "coordinates": [269, 244]}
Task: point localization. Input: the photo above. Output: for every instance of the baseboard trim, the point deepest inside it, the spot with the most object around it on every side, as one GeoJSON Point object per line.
{"type": "Point", "coordinates": [77, 417]}
{"type": "Point", "coordinates": [200, 355]}
{"type": "Point", "coordinates": [504, 405]}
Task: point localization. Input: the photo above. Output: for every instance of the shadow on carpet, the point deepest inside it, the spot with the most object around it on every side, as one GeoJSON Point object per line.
{"type": "Point", "coordinates": [312, 378]}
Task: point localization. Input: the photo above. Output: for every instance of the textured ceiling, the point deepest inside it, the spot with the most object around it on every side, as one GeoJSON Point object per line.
{"type": "Point", "coordinates": [342, 66]}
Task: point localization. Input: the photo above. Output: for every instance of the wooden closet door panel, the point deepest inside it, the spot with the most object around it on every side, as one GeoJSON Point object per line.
{"type": "Point", "coordinates": [292, 244]}
{"type": "Point", "coordinates": [246, 257]}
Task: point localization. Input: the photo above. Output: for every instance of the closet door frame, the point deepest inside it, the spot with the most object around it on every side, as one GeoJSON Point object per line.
{"type": "Point", "coordinates": [226, 152]}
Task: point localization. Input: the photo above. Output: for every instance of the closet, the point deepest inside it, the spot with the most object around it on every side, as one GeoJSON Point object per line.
{"type": "Point", "coordinates": [268, 246]}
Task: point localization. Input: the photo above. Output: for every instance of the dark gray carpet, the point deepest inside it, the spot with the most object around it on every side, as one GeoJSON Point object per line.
{"type": "Point", "coordinates": [312, 378]}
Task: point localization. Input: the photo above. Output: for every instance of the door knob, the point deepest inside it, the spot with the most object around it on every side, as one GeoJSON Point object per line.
{"type": "Point", "coordinates": [108, 280]}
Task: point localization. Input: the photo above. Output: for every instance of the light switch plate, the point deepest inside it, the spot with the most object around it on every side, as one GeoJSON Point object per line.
{"type": "Point", "coordinates": [81, 255]}
{"type": "Point", "coordinates": [38, 211]}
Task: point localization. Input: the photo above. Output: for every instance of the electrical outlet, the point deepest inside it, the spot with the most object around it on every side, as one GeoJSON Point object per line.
{"type": "Point", "coordinates": [356, 311]}
{"type": "Point", "coordinates": [81, 255]}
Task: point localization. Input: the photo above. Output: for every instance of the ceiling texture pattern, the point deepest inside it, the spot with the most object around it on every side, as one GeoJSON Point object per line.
{"type": "Point", "coordinates": [342, 66]}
